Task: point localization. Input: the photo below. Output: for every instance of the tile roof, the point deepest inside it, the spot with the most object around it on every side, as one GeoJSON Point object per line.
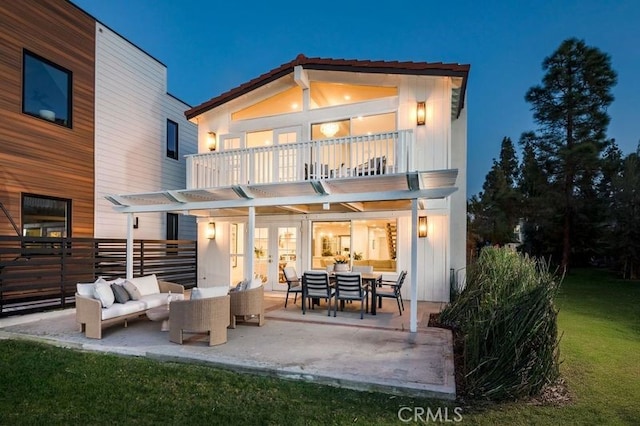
{"type": "Point", "coordinates": [349, 65]}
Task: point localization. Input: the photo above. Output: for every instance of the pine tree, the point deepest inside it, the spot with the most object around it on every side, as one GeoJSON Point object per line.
{"type": "Point", "coordinates": [570, 108]}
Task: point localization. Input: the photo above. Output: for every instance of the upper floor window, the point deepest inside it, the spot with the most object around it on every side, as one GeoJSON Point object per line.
{"type": "Point", "coordinates": [45, 216]}
{"type": "Point", "coordinates": [172, 139]}
{"type": "Point", "coordinates": [46, 90]}
{"type": "Point", "coordinates": [323, 94]}
{"type": "Point", "coordinates": [285, 102]}
{"type": "Point", "coordinates": [356, 126]}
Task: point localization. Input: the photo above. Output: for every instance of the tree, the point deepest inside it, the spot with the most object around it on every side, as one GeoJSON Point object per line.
{"type": "Point", "coordinates": [625, 235]}
{"type": "Point", "coordinates": [495, 211]}
{"type": "Point", "coordinates": [508, 161]}
{"type": "Point", "coordinates": [570, 108]}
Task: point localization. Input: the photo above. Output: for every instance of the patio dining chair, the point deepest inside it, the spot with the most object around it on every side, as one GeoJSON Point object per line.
{"type": "Point", "coordinates": [349, 288]}
{"type": "Point", "coordinates": [294, 283]}
{"type": "Point", "coordinates": [393, 291]}
{"type": "Point", "coordinates": [315, 285]}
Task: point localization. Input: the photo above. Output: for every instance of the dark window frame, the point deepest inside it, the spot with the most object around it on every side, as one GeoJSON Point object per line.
{"type": "Point", "coordinates": [67, 201]}
{"type": "Point", "coordinates": [172, 226]}
{"type": "Point", "coordinates": [69, 121]}
{"type": "Point", "coordinates": [170, 152]}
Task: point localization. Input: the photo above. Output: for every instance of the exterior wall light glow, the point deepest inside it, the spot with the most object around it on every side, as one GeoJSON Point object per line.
{"type": "Point", "coordinates": [211, 230]}
{"type": "Point", "coordinates": [212, 142]}
{"type": "Point", "coordinates": [421, 113]}
{"type": "Point", "coordinates": [422, 226]}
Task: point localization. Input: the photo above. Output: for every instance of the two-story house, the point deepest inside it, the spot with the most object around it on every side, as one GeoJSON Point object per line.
{"type": "Point", "coordinates": [320, 158]}
{"type": "Point", "coordinates": [84, 113]}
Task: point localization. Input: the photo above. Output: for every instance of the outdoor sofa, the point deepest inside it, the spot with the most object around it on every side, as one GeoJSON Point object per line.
{"type": "Point", "coordinates": [105, 303]}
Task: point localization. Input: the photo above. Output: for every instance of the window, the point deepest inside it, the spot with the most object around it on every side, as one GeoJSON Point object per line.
{"type": "Point", "coordinates": [285, 102]}
{"type": "Point", "coordinates": [45, 216]}
{"type": "Point", "coordinates": [172, 139]}
{"type": "Point", "coordinates": [324, 94]}
{"type": "Point", "coordinates": [370, 242]}
{"type": "Point", "coordinates": [46, 90]}
{"type": "Point", "coordinates": [172, 226]}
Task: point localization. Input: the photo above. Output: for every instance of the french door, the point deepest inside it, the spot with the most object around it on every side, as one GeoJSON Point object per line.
{"type": "Point", "coordinates": [275, 246]}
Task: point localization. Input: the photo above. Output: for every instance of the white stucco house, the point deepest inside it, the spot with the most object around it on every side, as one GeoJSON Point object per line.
{"type": "Point", "coordinates": [320, 158]}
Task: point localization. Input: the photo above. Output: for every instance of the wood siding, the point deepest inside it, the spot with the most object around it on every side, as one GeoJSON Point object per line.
{"type": "Point", "coordinates": [132, 108]}
{"type": "Point", "coordinates": [37, 156]}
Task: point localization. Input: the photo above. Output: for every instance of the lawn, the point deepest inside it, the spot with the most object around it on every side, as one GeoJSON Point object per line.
{"type": "Point", "coordinates": [600, 352]}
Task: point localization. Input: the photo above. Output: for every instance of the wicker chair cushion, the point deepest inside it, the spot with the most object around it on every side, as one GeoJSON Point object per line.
{"type": "Point", "coordinates": [207, 292]}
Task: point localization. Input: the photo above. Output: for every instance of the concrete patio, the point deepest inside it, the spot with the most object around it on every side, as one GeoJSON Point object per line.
{"type": "Point", "coordinates": [375, 354]}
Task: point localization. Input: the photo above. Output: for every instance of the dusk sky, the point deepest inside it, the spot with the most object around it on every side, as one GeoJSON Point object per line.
{"type": "Point", "coordinates": [210, 47]}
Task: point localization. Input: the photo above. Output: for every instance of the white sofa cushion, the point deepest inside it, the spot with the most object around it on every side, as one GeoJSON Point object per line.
{"type": "Point", "coordinates": [86, 289]}
{"type": "Point", "coordinates": [103, 292]}
{"type": "Point", "coordinates": [133, 306]}
{"type": "Point", "coordinates": [146, 285]}
{"type": "Point", "coordinates": [118, 309]}
{"type": "Point", "coordinates": [206, 292]}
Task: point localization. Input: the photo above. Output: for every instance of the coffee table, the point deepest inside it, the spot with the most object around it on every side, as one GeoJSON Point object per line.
{"type": "Point", "coordinates": [160, 313]}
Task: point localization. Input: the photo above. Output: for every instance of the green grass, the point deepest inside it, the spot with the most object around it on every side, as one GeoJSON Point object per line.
{"type": "Point", "coordinates": [600, 349]}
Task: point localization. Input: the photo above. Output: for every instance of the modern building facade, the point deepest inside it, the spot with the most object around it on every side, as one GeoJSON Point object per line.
{"type": "Point", "coordinates": [83, 113]}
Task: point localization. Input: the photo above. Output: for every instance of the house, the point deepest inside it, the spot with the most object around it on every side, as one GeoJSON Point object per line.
{"type": "Point", "coordinates": [320, 158]}
{"type": "Point", "coordinates": [84, 113]}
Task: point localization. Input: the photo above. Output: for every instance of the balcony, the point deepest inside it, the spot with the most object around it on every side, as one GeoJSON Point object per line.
{"type": "Point", "coordinates": [358, 156]}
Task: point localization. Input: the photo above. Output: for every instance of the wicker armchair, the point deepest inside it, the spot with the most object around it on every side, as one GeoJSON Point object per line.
{"type": "Point", "coordinates": [210, 315]}
{"type": "Point", "coordinates": [247, 305]}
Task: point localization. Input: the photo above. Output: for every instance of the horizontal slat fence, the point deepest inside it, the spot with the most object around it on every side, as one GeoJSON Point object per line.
{"type": "Point", "coordinates": [38, 274]}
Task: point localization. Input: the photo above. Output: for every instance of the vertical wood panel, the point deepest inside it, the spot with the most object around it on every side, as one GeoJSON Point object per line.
{"type": "Point", "coordinates": [37, 156]}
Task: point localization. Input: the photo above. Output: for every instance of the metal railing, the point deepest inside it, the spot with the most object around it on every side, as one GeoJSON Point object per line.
{"type": "Point", "coordinates": [367, 155]}
{"type": "Point", "coordinates": [38, 274]}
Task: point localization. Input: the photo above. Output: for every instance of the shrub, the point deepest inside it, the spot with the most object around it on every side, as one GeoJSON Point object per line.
{"type": "Point", "coordinates": [506, 321]}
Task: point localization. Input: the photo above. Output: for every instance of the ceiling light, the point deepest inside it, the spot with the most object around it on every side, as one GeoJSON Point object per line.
{"type": "Point", "coordinates": [329, 129]}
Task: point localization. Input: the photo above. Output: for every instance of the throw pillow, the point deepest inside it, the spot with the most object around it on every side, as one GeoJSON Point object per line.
{"type": "Point", "coordinates": [104, 294]}
{"type": "Point", "coordinates": [132, 290]}
{"type": "Point", "coordinates": [146, 285]}
{"type": "Point", "coordinates": [207, 292]}
{"type": "Point", "coordinates": [120, 293]}
{"type": "Point", "coordinates": [255, 283]}
{"type": "Point", "coordinates": [86, 290]}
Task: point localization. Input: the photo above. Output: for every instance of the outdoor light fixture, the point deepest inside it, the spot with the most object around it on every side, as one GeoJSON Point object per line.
{"type": "Point", "coordinates": [211, 231]}
{"type": "Point", "coordinates": [421, 114]}
{"type": "Point", "coordinates": [212, 141]}
{"type": "Point", "coordinates": [422, 226]}
{"type": "Point", "coordinates": [135, 223]}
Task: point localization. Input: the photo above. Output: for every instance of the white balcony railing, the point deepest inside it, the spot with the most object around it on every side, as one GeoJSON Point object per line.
{"type": "Point", "coordinates": [321, 159]}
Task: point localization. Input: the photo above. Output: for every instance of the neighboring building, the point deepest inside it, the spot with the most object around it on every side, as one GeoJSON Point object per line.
{"type": "Point", "coordinates": [325, 157]}
{"type": "Point", "coordinates": [83, 113]}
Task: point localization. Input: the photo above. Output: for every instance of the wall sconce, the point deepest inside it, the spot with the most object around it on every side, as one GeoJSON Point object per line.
{"type": "Point", "coordinates": [212, 143]}
{"type": "Point", "coordinates": [422, 226]}
{"type": "Point", "coordinates": [421, 113]}
{"type": "Point", "coordinates": [211, 230]}
{"type": "Point", "coordinates": [135, 223]}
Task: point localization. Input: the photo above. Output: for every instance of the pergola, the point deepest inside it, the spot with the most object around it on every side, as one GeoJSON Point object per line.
{"type": "Point", "coordinates": [404, 190]}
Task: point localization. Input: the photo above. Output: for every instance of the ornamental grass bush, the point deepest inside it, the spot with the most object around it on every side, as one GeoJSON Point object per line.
{"type": "Point", "coordinates": [505, 320]}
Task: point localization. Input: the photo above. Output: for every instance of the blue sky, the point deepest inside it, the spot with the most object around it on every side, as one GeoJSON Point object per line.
{"type": "Point", "coordinates": [210, 47]}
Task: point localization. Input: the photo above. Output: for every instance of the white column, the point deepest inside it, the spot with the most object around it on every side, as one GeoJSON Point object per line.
{"type": "Point", "coordinates": [413, 320]}
{"type": "Point", "coordinates": [129, 256]}
{"type": "Point", "coordinates": [251, 231]}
